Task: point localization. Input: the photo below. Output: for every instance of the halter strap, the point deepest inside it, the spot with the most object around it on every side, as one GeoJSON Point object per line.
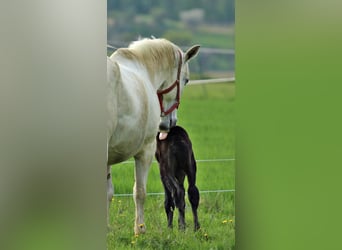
{"type": "Point", "coordinates": [160, 93]}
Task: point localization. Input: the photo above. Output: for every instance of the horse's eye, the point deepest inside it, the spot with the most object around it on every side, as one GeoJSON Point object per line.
{"type": "Point", "coordinates": [186, 81]}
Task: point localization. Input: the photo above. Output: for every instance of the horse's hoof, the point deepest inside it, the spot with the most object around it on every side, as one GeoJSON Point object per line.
{"type": "Point", "coordinates": [109, 228]}
{"type": "Point", "coordinates": [140, 229]}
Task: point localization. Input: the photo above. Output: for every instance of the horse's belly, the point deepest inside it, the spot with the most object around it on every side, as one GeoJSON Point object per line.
{"type": "Point", "coordinates": [119, 151]}
{"type": "Point", "coordinates": [123, 145]}
{"type": "Point", "coordinates": [115, 156]}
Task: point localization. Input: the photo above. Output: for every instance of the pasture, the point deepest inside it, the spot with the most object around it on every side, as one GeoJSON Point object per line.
{"type": "Point", "coordinates": [207, 113]}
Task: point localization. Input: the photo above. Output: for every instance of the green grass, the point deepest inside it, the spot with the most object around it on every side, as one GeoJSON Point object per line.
{"type": "Point", "coordinates": [216, 215]}
{"type": "Point", "coordinates": [207, 113]}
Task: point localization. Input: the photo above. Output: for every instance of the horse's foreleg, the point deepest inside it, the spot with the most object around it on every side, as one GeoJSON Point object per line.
{"type": "Point", "coordinates": [142, 164]}
{"type": "Point", "coordinates": [110, 191]}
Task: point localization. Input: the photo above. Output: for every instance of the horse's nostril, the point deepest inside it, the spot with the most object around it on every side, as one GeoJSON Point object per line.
{"type": "Point", "coordinates": [164, 126]}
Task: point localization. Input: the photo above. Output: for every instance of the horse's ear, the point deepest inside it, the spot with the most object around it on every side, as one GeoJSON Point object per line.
{"type": "Point", "coordinates": [192, 52]}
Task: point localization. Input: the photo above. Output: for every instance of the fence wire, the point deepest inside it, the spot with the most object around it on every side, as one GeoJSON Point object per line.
{"type": "Point", "coordinates": [202, 192]}
{"type": "Point", "coordinates": [162, 193]}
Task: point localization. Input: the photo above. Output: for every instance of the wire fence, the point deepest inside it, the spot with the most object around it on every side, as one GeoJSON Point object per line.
{"type": "Point", "coordinates": [217, 80]}
{"type": "Point", "coordinates": [205, 160]}
{"type": "Point", "coordinates": [202, 192]}
{"type": "Point", "coordinates": [114, 45]}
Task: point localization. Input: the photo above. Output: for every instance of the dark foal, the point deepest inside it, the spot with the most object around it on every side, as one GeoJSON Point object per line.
{"type": "Point", "coordinates": [176, 159]}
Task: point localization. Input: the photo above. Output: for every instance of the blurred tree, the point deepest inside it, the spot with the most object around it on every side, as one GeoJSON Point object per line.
{"type": "Point", "coordinates": [216, 11]}
{"type": "Point", "coordinates": [183, 22]}
{"type": "Point", "coordinates": [181, 38]}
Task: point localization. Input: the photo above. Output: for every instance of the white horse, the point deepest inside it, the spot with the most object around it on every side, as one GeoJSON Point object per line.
{"type": "Point", "coordinates": [145, 82]}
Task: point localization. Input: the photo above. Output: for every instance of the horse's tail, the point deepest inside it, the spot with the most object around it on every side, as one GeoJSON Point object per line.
{"type": "Point", "coordinates": [113, 70]}
{"type": "Point", "coordinates": [170, 183]}
{"type": "Point", "coordinates": [113, 78]}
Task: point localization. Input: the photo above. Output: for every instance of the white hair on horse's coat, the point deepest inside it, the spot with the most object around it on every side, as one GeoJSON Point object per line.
{"type": "Point", "coordinates": [155, 54]}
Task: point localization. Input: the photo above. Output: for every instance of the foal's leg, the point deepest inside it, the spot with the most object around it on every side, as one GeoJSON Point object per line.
{"type": "Point", "coordinates": [142, 164]}
{"type": "Point", "coordinates": [110, 191]}
{"type": "Point", "coordinates": [179, 199]}
{"type": "Point", "coordinates": [180, 203]}
{"type": "Point", "coordinates": [169, 207]}
{"type": "Point", "coordinates": [194, 200]}
{"type": "Point", "coordinates": [193, 192]}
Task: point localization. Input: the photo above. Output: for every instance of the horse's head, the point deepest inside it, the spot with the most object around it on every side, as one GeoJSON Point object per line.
{"type": "Point", "coordinates": [170, 92]}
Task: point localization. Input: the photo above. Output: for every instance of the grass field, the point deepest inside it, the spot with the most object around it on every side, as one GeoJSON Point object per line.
{"type": "Point", "coordinates": [207, 113]}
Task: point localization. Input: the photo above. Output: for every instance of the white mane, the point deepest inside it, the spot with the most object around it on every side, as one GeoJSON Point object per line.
{"type": "Point", "coordinates": [154, 54]}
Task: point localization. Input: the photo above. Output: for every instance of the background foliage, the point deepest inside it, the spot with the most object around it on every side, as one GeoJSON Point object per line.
{"type": "Point", "coordinates": [185, 23]}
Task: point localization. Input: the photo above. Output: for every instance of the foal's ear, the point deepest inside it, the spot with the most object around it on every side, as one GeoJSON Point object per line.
{"type": "Point", "coordinates": [192, 52]}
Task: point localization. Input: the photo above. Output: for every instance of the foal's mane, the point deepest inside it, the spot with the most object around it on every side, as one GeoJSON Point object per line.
{"type": "Point", "coordinates": [155, 54]}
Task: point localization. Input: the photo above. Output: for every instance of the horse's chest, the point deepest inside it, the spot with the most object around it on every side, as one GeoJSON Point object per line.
{"type": "Point", "coordinates": [130, 138]}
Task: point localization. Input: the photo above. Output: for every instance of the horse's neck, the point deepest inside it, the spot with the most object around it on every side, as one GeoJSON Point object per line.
{"type": "Point", "coordinates": [156, 80]}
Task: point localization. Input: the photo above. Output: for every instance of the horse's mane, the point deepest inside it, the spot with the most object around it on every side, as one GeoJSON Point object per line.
{"type": "Point", "coordinates": [155, 54]}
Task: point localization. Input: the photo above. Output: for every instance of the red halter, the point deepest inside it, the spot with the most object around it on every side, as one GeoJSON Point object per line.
{"type": "Point", "coordinates": [160, 93]}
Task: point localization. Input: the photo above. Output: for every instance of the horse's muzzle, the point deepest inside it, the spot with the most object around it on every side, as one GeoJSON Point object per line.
{"type": "Point", "coordinates": [166, 124]}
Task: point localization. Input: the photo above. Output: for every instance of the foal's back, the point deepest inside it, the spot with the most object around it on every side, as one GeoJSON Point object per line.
{"type": "Point", "coordinates": [176, 150]}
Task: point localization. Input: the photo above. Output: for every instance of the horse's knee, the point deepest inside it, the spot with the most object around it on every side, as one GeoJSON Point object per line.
{"type": "Point", "coordinates": [139, 193]}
